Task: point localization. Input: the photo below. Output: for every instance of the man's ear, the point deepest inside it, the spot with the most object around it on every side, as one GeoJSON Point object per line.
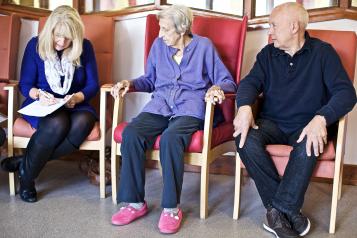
{"type": "Point", "coordinates": [294, 27]}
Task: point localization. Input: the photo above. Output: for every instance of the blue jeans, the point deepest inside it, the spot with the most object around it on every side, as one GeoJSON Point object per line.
{"type": "Point", "coordinates": [139, 136]}
{"type": "Point", "coordinates": [286, 193]}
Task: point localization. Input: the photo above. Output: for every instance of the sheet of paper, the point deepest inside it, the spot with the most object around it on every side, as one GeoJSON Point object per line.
{"type": "Point", "coordinates": [38, 110]}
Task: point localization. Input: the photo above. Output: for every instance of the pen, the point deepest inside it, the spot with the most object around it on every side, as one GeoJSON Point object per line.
{"type": "Point", "coordinates": [45, 94]}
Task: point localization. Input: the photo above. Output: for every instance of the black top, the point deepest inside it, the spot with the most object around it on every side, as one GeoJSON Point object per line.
{"type": "Point", "coordinates": [295, 89]}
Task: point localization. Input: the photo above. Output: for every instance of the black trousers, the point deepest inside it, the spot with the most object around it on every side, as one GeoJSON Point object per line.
{"type": "Point", "coordinates": [139, 136]}
{"type": "Point", "coordinates": [58, 134]}
{"type": "Point", "coordinates": [286, 193]}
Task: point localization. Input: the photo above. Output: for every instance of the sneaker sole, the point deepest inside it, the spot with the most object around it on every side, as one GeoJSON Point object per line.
{"type": "Point", "coordinates": [307, 228]}
{"type": "Point", "coordinates": [270, 230]}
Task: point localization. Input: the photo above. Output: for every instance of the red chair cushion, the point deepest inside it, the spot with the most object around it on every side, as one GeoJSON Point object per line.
{"type": "Point", "coordinates": [220, 134]}
{"type": "Point", "coordinates": [23, 129]}
{"type": "Point", "coordinates": [324, 167]}
{"type": "Point", "coordinates": [284, 151]}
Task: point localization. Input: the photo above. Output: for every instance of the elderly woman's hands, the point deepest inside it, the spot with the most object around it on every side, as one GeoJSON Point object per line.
{"type": "Point", "coordinates": [120, 89]}
{"type": "Point", "coordinates": [214, 94]}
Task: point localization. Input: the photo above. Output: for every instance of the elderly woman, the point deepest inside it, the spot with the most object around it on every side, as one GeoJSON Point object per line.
{"type": "Point", "coordinates": [57, 64]}
{"type": "Point", "coordinates": [182, 71]}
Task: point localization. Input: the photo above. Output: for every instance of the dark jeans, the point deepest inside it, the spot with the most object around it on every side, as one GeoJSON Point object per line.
{"type": "Point", "coordinates": [139, 136]}
{"type": "Point", "coordinates": [287, 193]}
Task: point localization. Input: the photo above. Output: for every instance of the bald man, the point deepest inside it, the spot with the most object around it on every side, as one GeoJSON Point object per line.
{"type": "Point", "coordinates": [305, 90]}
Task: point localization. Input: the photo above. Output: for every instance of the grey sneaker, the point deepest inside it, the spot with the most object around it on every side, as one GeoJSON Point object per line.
{"type": "Point", "coordinates": [278, 224]}
{"type": "Point", "coordinates": [300, 223]}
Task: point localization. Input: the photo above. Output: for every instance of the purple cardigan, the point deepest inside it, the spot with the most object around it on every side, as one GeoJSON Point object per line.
{"type": "Point", "coordinates": [179, 90]}
{"type": "Point", "coordinates": [85, 78]}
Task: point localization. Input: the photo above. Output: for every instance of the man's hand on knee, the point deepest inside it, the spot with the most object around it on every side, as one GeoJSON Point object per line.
{"type": "Point", "coordinates": [316, 135]}
{"type": "Point", "coordinates": [242, 122]}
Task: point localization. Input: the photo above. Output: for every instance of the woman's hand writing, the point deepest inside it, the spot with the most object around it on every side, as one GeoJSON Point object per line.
{"type": "Point", "coordinates": [46, 98]}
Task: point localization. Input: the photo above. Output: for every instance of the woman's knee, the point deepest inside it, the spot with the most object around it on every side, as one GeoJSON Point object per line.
{"type": "Point", "coordinates": [82, 124]}
{"type": "Point", "coordinates": [130, 134]}
{"type": "Point", "coordinates": [55, 126]}
{"type": "Point", "coordinates": [169, 139]}
{"type": "Point", "coordinates": [83, 121]}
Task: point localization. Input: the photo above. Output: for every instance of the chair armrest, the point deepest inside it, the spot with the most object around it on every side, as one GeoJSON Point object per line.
{"type": "Point", "coordinates": [104, 90]}
{"type": "Point", "coordinates": [106, 87]}
{"type": "Point", "coordinates": [341, 139]}
{"type": "Point", "coordinates": [118, 108]}
{"type": "Point", "coordinates": [12, 85]}
{"type": "Point", "coordinates": [207, 131]}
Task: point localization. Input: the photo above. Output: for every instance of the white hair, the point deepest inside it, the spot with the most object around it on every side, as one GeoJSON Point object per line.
{"type": "Point", "coordinates": [181, 16]}
{"type": "Point", "coordinates": [299, 12]}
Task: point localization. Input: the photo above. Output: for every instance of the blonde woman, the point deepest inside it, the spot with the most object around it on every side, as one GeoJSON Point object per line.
{"type": "Point", "coordinates": [58, 63]}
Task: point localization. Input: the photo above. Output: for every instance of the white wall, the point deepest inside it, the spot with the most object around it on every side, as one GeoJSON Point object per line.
{"type": "Point", "coordinates": [129, 62]}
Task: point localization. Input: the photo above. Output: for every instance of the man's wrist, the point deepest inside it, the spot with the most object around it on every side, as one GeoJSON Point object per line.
{"type": "Point", "coordinates": [245, 108]}
{"type": "Point", "coordinates": [322, 118]}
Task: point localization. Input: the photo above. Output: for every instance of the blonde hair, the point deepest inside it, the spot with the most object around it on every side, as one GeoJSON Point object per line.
{"type": "Point", "coordinates": [297, 11]}
{"type": "Point", "coordinates": [71, 27]}
{"type": "Point", "coordinates": [180, 15]}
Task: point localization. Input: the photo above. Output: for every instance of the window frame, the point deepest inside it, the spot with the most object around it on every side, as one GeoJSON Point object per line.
{"type": "Point", "coordinates": [344, 10]}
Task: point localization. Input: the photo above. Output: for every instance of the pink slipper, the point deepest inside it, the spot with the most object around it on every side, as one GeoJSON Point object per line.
{"type": "Point", "coordinates": [128, 214]}
{"type": "Point", "coordinates": [170, 223]}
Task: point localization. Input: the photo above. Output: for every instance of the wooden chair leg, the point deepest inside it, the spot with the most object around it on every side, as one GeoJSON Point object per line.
{"type": "Point", "coordinates": [340, 183]}
{"type": "Point", "coordinates": [336, 182]}
{"type": "Point", "coordinates": [204, 190]}
{"type": "Point", "coordinates": [114, 170]}
{"type": "Point", "coordinates": [102, 172]}
{"type": "Point", "coordinates": [237, 188]}
{"type": "Point", "coordinates": [12, 180]}
{"type": "Point", "coordinates": [12, 185]}
{"type": "Point", "coordinates": [159, 166]}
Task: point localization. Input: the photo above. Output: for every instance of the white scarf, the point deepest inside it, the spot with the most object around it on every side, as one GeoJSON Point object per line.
{"type": "Point", "coordinates": [54, 69]}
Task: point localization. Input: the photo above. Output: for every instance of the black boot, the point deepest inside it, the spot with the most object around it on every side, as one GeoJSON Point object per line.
{"type": "Point", "coordinates": [36, 156]}
{"type": "Point", "coordinates": [11, 164]}
{"type": "Point", "coordinates": [27, 187]}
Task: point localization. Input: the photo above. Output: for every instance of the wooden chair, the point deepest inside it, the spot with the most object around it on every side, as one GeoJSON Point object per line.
{"type": "Point", "coordinates": [228, 36]}
{"type": "Point", "coordinates": [330, 163]}
{"type": "Point", "coordinates": [100, 31]}
{"type": "Point", "coordinates": [9, 44]}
